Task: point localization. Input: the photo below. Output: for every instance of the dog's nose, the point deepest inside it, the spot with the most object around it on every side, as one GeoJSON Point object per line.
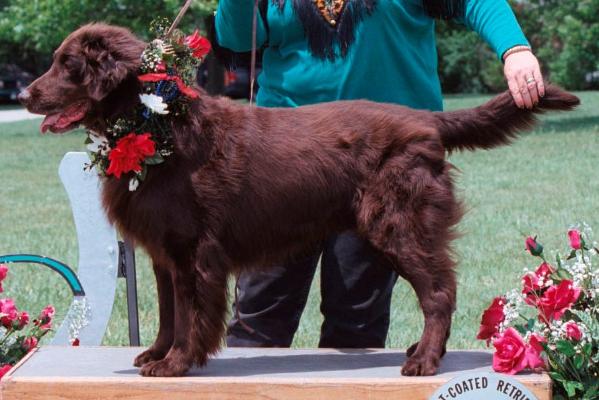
{"type": "Point", "coordinates": [24, 97]}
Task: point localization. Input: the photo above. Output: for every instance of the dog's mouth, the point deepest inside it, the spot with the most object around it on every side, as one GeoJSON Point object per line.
{"type": "Point", "coordinates": [65, 120]}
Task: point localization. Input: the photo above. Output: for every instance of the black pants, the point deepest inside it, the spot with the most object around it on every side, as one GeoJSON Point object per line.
{"type": "Point", "coordinates": [356, 298]}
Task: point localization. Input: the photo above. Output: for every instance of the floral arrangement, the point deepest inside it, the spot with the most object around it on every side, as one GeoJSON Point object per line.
{"type": "Point", "coordinates": [552, 322]}
{"type": "Point", "coordinates": [143, 138]}
{"type": "Point", "coordinates": [17, 335]}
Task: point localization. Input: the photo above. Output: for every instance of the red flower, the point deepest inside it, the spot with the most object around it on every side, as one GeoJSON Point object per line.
{"type": "Point", "coordinates": [492, 317]}
{"type": "Point", "coordinates": [29, 343]}
{"type": "Point", "coordinates": [573, 331]}
{"type": "Point", "coordinates": [534, 350]}
{"type": "Point", "coordinates": [3, 273]}
{"type": "Point", "coordinates": [557, 299]}
{"type": "Point", "coordinates": [198, 44]}
{"type": "Point", "coordinates": [44, 320]}
{"type": "Point", "coordinates": [531, 282]}
{"type": "Point", "coordinates": [129, 152]}
{"type": "Point", "coordinates": [8, 312]}
{"type": "Point", "coordinates": [4, 369]}
{"type": "Point", "coordinates": [575, 239]}
{"type": "Point", "coordinates": [186, 90]}
{"type": "Point", "coordinates": [510, 353]}
{"type": "Point", "coordinates": [75, 342]}
{"type": "Point", "coordinates": [21, 321]}
{"type": "Point", "coordinates": [533, 247]}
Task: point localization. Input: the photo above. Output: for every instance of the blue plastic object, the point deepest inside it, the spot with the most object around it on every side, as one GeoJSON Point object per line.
{"type": "Point", "coordinates": [64, 270]}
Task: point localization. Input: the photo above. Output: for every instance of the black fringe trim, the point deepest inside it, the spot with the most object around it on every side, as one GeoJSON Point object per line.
{"type": "Point", "coordinates": [322, 37]}
{"type": "Point", "coordinates": [444, 9]}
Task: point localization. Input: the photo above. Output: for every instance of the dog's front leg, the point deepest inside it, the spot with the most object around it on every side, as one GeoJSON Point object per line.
{"type": "Point", "coordinates": [166, 308]}
{"type": "Point", "coordinates": [200, 294]}
{"type": "Point", "coordinates": [179, 357]}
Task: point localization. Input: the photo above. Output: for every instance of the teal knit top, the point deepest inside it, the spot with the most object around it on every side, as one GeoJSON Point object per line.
{"type": "Point", "coordinates": [393, 58]}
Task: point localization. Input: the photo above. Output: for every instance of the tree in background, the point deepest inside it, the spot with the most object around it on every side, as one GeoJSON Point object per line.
{"type": "Point", "coordinates": [564, 35]}
{"type": "Point", "coordinates": [30, 30]}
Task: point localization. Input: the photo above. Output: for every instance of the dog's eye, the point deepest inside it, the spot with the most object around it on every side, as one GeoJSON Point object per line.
{"type": "Point", "coordinates": [73, 67]}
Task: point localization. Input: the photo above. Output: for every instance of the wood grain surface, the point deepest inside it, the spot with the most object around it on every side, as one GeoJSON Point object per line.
{"type": "Point", "coordinates": [86, 373]}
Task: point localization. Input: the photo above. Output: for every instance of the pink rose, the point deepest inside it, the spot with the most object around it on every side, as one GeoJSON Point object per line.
{"type": "Point", "coordinates": [557, 299]}
{"type": "Point", "coordinates": [531, 282]}
{"type": "Point", "coordinates": [575, 239]}
{"type": "Point", "coordinates": [573, 331]}
{"type": "Point", "coordinates": [534, 350]}
{"type": "Point", "coordinates": [8, 311]}
{"type": "Point", "coordinates": [44, 320]}
{"type": "Point", "coordinates": [510, 353]}
{"type": "Point", "coordinates": [3, 273]}
{"type": "Point", "coordinates": [21, 321]}
{"type": "Point", "coordinates": [491, 318]}
{"type": "Point", "coordinates": [29, 343]}
{"type": "Point", "coordinates": [4, 369]}
{"type": "Point", "coordinates": [533, 247]}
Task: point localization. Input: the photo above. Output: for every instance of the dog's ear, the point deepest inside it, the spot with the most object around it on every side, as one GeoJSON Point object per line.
{"type": "Point", "coordinates": [103, 68]}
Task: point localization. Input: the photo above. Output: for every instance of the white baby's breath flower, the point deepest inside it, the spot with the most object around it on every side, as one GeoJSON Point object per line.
{"type": "Point", "coordinates": [133, 184]}
{"type": "Point", "coordinates": [99, 144]}
{"type": "Point", "coordinates": [154, 103]}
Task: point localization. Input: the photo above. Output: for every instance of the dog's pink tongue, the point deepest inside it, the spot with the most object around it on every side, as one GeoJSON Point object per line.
{"type": "Point", "coordinates": [64, 121]}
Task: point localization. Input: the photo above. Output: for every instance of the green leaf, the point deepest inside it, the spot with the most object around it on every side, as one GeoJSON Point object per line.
{"type": "Point", "coordinates": [572, 255]}
{"type": "Point", "coordinates": [566, 348]}
{"type": "Point", "coordinates": [587, 349]}
{"type": "Point", "coordinates": [556, 376]}
{"type": "Point", "coordinates": [154, 160]}
{"type": "Point", "coordinates": [558, 260]}
{"type": "Point", "coordinates": [531, 324]}
{"type": "Point", "coordinates": [571, 387]}
{"type": "Point", "coordinates": [563, 274]}
{"type": "Point", "coordinates": [522, 329]}
{"type": "Point", "coordinates": [578, 361]}
{"type": "Point", "coordinates": [142, 175]}
{"type": "Point", "coordinates": [592, 392]}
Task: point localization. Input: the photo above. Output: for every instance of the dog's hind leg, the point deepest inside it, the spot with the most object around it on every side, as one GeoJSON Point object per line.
{"type": "Point", "coordinates": [408, 211]}
{"type": "Point", "coordinates": [166, 308]}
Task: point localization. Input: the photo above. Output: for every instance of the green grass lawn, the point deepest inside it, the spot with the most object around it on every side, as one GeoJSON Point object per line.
{"type": "Point", "coordinates": [540, 185]}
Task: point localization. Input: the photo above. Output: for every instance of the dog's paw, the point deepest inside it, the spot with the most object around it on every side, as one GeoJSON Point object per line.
{"type": "Point", "coordinates": [147, 356]}
{"type": "Point", "coordinates": [167, 367]}
{"type": "Point", "coordinates": [412, 349]}
{"type": "Point", "coordinates": [420, 366]}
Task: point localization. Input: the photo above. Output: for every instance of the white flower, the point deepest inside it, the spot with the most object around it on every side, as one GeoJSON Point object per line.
{"type": "Point", "coordinates": [99, 144]}
{"type": "Point", "coordinates": [154, 103]}
{"type": "Point", "coordinates": [133, 184]}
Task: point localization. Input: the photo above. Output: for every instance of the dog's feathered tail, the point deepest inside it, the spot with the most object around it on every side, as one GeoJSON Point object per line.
{"type": "Point", "coordinates": [498, 121]}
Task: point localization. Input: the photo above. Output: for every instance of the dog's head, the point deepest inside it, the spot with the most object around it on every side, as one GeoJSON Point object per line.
{"type": "Point", "coordinates": [90, 68]}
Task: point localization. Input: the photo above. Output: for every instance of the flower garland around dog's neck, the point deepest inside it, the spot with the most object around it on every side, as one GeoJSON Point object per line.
{"type": "Point", "coordinates": [143, 138]}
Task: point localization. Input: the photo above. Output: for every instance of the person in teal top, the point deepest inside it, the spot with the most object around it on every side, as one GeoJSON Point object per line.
{"type": "Point", "coordinates": [326, 50]}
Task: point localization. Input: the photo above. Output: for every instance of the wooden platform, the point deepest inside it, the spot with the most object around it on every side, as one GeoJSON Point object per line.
{"type": "Point", "coordinates": [86, 373]}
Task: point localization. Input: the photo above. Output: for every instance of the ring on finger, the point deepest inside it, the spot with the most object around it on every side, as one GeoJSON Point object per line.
{"type": "Point", "coordinates": [530, 79]}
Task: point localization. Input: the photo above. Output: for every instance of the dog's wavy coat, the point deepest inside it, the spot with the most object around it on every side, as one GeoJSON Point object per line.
{"type": "Point", "coordinates": [248, 187]}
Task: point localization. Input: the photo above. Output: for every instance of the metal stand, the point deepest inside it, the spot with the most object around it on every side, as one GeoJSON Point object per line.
{"type": "Point", "coordinates": [127, 271]}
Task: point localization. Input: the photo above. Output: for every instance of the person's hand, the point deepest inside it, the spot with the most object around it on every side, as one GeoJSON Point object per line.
{"type": "Point", "coordinates": [524, 78]}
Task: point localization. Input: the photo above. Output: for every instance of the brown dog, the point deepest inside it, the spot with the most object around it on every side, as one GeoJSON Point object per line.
{"type": "Point", "coordinates": [250, 186]}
